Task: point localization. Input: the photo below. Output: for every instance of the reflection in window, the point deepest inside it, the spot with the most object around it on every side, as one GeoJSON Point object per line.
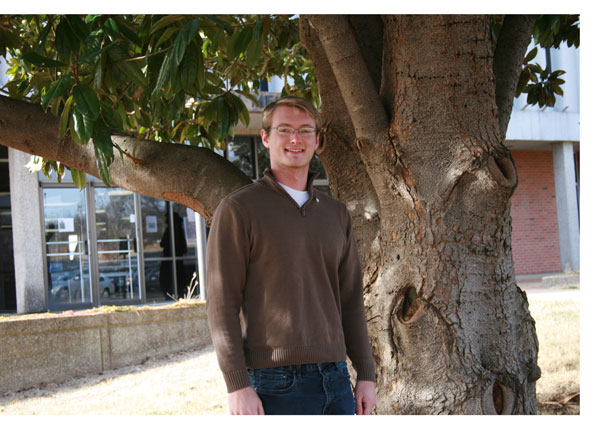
{"type": "Point", "coordinates": [239, 152]}
{"type": "Point", "coordinates": [155, 218]}
{"type": "Point", "coordinates": [116, 243]}
{"type": "Point", "coordinates": [66, 246]}
{"type": "Point", "coordinates": [189, 229]}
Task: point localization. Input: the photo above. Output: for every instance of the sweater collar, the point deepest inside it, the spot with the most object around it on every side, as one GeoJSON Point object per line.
{"type": "Point", "coordinates": [270, 178]}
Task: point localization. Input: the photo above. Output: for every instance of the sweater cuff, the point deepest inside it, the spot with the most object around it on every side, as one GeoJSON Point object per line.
{"type": "Point", "coordinates": [236, 380]}
{"type": "Point", "coordinates": [365, 371]}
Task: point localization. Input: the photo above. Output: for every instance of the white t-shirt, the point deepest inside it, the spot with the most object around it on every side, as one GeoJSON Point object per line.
{"type": "Point", "coordinates": [299, 196]}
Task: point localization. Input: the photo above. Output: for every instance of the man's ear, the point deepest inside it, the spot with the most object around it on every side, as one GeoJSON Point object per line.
{"type": "Point", "coordinates": [264, 135]}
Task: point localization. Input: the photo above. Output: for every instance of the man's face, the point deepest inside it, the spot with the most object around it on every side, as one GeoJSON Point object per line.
{"type": "Point", "coordinates": [293, 152]}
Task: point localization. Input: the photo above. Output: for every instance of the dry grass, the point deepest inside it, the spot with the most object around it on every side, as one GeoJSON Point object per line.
{"type": "Point", "coordinates": [557, 325]}
{"type": "Point", "coordinates": [183, 383]}
{"type": "Point", "coordinates": [191, 382]}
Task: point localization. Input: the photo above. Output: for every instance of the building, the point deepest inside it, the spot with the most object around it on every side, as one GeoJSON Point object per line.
{"type": "Point", "coordinates": [545, 147]}
{"type": "Point", "coordinates": [68, 249]}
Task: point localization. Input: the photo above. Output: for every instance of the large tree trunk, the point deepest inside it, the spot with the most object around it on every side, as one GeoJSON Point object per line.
{"type": "Point", "coordinates": [414, 148]}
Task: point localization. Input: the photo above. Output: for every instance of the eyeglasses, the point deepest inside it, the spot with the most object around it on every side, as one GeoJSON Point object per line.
{"type": "Point", "coordinates": [289, 131]}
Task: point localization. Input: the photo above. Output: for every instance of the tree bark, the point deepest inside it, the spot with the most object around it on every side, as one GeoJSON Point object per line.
{"type": "Point", "coordinates": [511, 48]}
{"type": "Point", "coordinates": [195, 177]}
{"type": "Point", "coordinates": [450, 329]}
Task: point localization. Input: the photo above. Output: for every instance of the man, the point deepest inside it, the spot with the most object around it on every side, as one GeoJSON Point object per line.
{"type": "Point", "coordinates": [285, 297]}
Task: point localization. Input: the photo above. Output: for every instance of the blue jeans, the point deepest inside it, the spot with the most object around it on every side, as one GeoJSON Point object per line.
{"type": "Point", "coordinates": [320, 388]}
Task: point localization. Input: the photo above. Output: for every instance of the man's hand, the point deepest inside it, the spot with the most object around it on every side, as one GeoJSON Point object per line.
{"type": "Point", "coordinates": [365, 397]}
{"type": "Point", "coordinates": [245, 401]}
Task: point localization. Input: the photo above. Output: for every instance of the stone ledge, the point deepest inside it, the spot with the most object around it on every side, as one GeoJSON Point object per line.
{"type": "Point", "coordinates": [561, 280]}
{"type": "Point", "coordinates": [55, 348]}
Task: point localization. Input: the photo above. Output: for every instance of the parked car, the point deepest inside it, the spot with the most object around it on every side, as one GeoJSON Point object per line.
{"type": "Point", "coordinates": [70, 285]}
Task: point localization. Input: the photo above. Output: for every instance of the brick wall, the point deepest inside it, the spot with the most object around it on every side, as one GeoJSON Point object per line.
{"type": "Point", "coordinates": [535, 242]}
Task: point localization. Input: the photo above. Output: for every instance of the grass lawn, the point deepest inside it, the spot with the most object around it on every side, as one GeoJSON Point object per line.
{"type": "Point", "coordinates": [557, 325]}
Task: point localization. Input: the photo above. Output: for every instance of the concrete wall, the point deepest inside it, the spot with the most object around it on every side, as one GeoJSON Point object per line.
{"type": "Point", "coordinates": [535, 238]}
{"type": "Point", "coordinates": [55, 348]}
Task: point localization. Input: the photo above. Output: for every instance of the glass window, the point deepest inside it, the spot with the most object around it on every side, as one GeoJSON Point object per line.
{"type": "Point", "coordinates": [315, 165]}
{"type": "Point", "coordinates": [154, 292]}
{"type": "Point", "coordinates": [116, 244]}
{"type": "Point", "coordinates": [239, 152]}
{"type": "Point", "coordinates": [8, 299]}
{"type": "Point", "coordinates": [155, 218]}
{"type": "Point", "coordinates": [263, 157]}
{"type": "Point", "coordinates": [184, 220]}
{"type": "Point", "coordinates": [66, 246]}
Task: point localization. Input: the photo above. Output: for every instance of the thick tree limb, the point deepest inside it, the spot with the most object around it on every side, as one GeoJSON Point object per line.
{"type": "Point", "coordinates": [195, 177]}
{"type": "Point", "coordinates": [508, 58]}
{"type": "Point", "coordinates": [369, 36]}
{"type": "Point", "coordinates": [352, 75]}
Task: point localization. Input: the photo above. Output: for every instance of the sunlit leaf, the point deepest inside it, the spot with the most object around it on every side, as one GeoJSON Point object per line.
{"type": "Point", "coordinates": [86, 101]}
{"type": "Point", "coordinates": [58, 89]}
{"type": "Point", "coordinates": [65, 116]}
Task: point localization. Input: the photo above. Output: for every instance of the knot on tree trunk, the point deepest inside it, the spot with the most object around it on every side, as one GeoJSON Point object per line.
{"type": "Point", "coordinates": [503, 171]}
{"type": "Point", "coordinates": [498, 399]}
{"type": "Point", "coordinates": [409, 308]}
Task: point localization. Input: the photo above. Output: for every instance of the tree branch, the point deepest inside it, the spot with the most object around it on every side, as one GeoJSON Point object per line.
{"type": "Point", "coordinates": [369, 36]}
{"type": "Point", "coordinates": [511, 48]}
{"type": "Point", "coordinates": [195, 177]}
{"type": "Point", "coordinates": [352, 75]}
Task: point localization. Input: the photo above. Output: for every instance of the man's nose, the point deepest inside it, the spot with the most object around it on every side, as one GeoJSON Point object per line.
{"type": "Point", "coordinates": [295, 137]}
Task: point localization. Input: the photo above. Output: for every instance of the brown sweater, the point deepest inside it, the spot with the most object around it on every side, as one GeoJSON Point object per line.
{"type": "Point", "coordinates": [284, 283]}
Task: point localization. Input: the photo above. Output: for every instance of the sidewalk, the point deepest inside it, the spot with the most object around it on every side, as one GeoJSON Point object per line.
{"type": "Point", "coordinates": [535, 289]}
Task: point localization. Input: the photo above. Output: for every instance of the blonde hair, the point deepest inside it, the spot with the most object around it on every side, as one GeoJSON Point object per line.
{"type": "Point", "coordinates": [298, 102]}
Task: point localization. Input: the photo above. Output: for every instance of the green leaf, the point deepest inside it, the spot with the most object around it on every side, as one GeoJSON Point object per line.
{"type": "Point", "coordinates": [111, 116]}
{"type": "Point", "coordinates": [8, 39]}
{"type": "Point", "coordinates": [201, 77]}
{"type": "Point", "coordinates": [83, 126]}
{"type": "Point", "coordinates": [163, 75]}
{"type": "Point", "coordinates": [220, 23]}
{"type": "Point", "coordinates": [76, 138]}
{"type": "Point", "coordinates": [38, 60]}
{"type": "Point", "coordinates": [86, 101]}
{"type": "Point", "coordinates": [188, 69]}
{"type": "Point", "coordinates": [132, 71]}
{"type": "Point", "coordinates": [58, 89]}
{"type": "Point", "coordinates": [98, 73]}
{"type": "Point", "coordinates": [167, 34]}
{"type": "Point", "coordinates": [183, 39]}
{"type": "Point", "coordinates": [165, 21]}
{"type": "Point", "coordinates": [93, 55]}
{"type": "Point", "coordinates": [102, 165]}
{"type": "Point", "coordinates": [102, 140]}
{"type": "Point", "coordinates": [79, 178]}
{"type": "Point", "coordinates": [79, 28]}
{"type": "Point", "coordinates": [127, 32]}
{"type": "Point", "coordinates": [112, 29]}
{"type": "Point", "coordinates": [531, 55]}
{"type": "Point", "coordinates": [66, 41]}
{"type": "Point", "coordinates": [91, 18]}
{"type": "Point", "coordinates": [64, 117]}
{"type": "Point", "coordinates": [242, 109]}
{"type": "Point", "coordinates": [254, 52]}
{"type": "Point", "coordinates": [241, 43]}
